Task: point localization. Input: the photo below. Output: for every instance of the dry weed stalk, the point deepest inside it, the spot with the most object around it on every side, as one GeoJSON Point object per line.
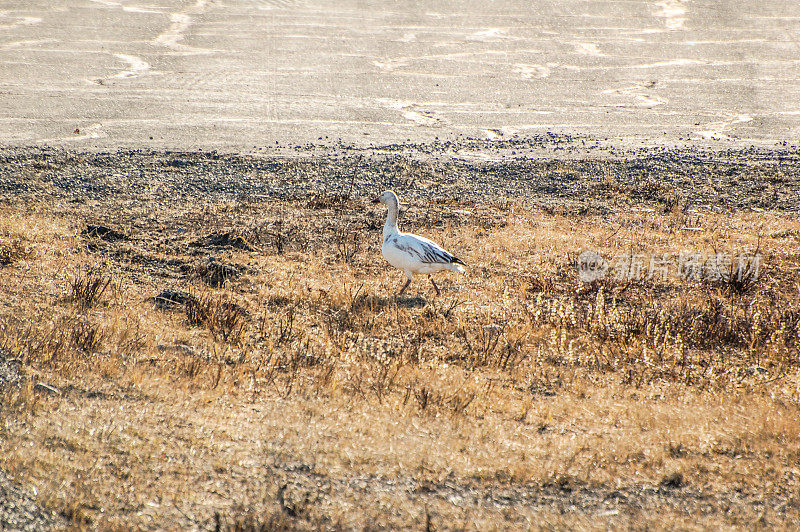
{"type": "Point", "coordinates": [87, 336]}
{"type": "Point", "coordinates": [348, 244]}
{"type": "Point", "coordinates": [86, 289]}
{"type": "Point", "coordinates": [284, 331]}
{"type": "Point", "coordinates": [680, 339]}
{"type": "Point", "coordinates": [12, 250]}
{"type": "Point", "coordinates": [225, 319]}
{"type": "Point", "coordinates": [58, 342]}
{"type": "Point", "coordinates": [428, 398]}
{"type": "Point", "coordinates": [481, 345]}
{"type": "Point", "coordinates": [280, 234]}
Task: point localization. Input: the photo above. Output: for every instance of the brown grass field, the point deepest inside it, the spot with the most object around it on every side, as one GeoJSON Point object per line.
{"type": "Point", "coordinates": [284, 385]}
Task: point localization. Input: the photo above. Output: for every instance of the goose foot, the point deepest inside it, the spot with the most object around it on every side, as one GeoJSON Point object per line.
{"type": "Point", "coordinates": [404, 288]}
{"type": "Point", "coordinates": [434, 286]}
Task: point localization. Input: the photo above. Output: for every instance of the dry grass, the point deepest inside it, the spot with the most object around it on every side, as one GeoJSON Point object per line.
{"type": "Point", "coordinates": [301, 393]}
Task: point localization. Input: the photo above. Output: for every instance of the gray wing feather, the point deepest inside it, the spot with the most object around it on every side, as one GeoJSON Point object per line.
{"type": "Point", "coordinates": [428, 253]}
{"type": "Point", "coordinates": [434, 254]}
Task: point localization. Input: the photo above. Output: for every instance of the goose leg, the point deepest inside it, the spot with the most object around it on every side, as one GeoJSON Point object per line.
{"type": "Point", "coordinates": [434, 286]}
{"type": "Point", "coordinates": [404, 288]}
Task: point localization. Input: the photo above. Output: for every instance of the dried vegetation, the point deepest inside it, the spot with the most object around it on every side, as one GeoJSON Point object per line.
{"type": "Point", "coordinates": [283, 385]}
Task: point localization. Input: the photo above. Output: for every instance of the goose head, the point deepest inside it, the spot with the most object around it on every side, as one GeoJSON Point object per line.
{"type": "Point", "coordinates": [387, 198]}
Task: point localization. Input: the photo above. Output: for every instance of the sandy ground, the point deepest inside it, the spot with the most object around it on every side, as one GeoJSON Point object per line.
{"type": "Point", "coordinates": [242, 76]}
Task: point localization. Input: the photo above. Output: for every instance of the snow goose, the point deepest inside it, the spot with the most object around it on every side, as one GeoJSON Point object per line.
{"type": "Point", "coordinates": [411, 253]}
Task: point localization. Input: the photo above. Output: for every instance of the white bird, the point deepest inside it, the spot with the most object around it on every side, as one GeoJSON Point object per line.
{"type": "Point", "coordinates": [411, 253]}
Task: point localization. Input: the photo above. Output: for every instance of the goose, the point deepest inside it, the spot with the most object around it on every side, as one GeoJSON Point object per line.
{"type": "Point", "coordinates": [411, 253]}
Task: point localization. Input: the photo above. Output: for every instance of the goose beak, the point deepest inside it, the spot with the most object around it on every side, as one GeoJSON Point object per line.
{"type": "Point", "coordinates": [377, 200]}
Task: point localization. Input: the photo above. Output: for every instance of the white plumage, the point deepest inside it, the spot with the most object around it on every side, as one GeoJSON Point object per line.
{"type": "Point", "coordinates": [411, 253]}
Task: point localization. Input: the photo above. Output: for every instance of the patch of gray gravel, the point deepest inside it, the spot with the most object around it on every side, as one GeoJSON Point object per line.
{"type": "Point", "coordinates": [577, 180]}
{"type": "Point", "coordinates": [9, 370]}
{"type": "Point", "coordinates": [19, 511]}
{"type": "Point", "coordinates": [18, 508]}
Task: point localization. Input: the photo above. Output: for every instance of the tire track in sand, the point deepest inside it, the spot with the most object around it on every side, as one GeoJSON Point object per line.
{"type": "Point", "coordinates": [180, 23]}
{"type": "Point", "coordinates": [136, 67]}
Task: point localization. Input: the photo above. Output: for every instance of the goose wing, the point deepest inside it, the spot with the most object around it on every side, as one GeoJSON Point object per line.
{"type": "Point", "coordinates": [424, 250]}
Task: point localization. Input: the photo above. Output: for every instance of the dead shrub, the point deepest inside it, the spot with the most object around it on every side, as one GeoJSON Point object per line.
{"type": "Point", "coordinates": [284, 331]}
{"type": "Point", "coordinates": [491, 346]}
{"type": "Point", "coordinates": [225, 319]}
{"type": "Point", "coordinates": [281, 236]}
{"type": "Point", "coordinates": [385, 378]}
{"type": "Point", "coordinates": [279, 327]}
{"type": "Point", "coordinates": [348, 244]}
{"type": "Point", "coordinates": [52, 342]}
{"type": "Point", "coordinates": [43, 342]}
{"type": "Point", "coordinates": [290, 363]}
{"type": "Point", "coordinates": [698, 338]}
{"type": "Point", "coordinates": [12, 250]}
{"type": "Point", "coordinates": [742, 276]}
{"type": "Point", "coordinates": [86, 289]}
{"type": "Point", "coordinates": [735, 275]}
{"type": "Point", "coordinates": [480, 345]}
{"type": "Point", "coordinates": [428, 398]}
{"type": "Point", "coordinates": [442, 308]}
{"type": "Point", "coordinates": [86, 336]}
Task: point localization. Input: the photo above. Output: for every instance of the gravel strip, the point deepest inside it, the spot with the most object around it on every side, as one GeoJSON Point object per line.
{"type": "Point", "coordinates": [9, 370]}
{"type": "Point", "coordinates": [19, 511]}
{"type": "Point", "coordinates": [571, 180]}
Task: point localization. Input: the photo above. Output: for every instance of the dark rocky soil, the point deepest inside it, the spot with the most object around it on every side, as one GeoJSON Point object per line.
{"type": "Point", "coordinates": [571, 179]}
{"type": "Point", "coordinates": [19, 511]}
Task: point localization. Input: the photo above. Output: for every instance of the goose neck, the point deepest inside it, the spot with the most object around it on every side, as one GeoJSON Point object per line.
{"type": "Point", "coordinates": [390, 227]}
